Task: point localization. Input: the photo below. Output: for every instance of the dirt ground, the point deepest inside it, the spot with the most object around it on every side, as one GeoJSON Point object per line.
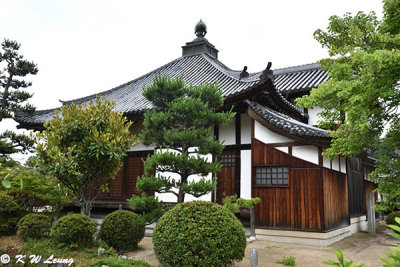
{"type": "Point", "coordinates": [360, 247]}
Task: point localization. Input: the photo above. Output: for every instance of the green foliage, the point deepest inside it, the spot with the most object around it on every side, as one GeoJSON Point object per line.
{"type": "Point", "coordinates": [341, 261]}
{"type": "Point", "coordinates": [120, 262]}
{"type": "Point", "coordinates": [83, 147]}
{"type": "Point", "coordinates": [232, 203]}
{"type": "Point", "coordinates": [27, 200]}
{"type": "Point", "coordinates": [147, 206]}
{"type": "Point", "coordinates": [74, 229]}
{"type": "Point", "coordinates": [122, 230]}
{"type": "Point", "coordinates": [199, 233]}
{"type": "Point", "coordinates": [13, 98]}
{"type": "Point", "coordinates": [8, 204]}
{"type": "Point", "coordinates": [10, 213]}
{"type": "Point", "coordinates": [181, 121]}
{"type": "Point", "coordinates": [362, 93]}
{"type": "Point", "coordinates": [288, 261]}
{"type": "Point", "coordinates": [33, 226]}
{"type": "Point", "coordinates": [30, 188]}
{"type": "Point", "coordinates": [391, 218]}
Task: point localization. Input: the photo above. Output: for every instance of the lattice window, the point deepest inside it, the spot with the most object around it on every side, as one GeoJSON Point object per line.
{"type": "Point", "coordinates": [228, 160]}
{"type": "Point", "coordinates": [272, 175]}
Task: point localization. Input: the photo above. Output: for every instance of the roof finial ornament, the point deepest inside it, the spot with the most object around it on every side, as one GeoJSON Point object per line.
{"type": "Point", "coordinates": [200, 29]}
{"type": "Point", "coordinates": [267, 73]}
{"type": "Point", "coordinates": [244, 73]}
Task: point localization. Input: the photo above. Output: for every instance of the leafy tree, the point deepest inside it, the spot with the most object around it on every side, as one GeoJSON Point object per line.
{"type": "Point", "coordinates": [21, 178]}
{"type": "Point", "coordinates": [83, 147]}
{"type": "Point", "coordinates": [362, 95]}
{"type": "Point", "coordinates": [181, 125]}
{"type": "Point", "coordinates": [13, 67]}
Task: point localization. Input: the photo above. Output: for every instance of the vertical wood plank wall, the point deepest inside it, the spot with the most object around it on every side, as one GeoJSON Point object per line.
{"type": "Point", "coordinates": [335, 199]}
{"type": "Point", "coordinates": [298, 206]}
{"type": "Point", "coordinates": [121, 189]}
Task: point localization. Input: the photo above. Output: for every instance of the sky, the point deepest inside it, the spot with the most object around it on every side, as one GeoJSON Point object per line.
{"type": "Point", "coordinates": [86, 47]}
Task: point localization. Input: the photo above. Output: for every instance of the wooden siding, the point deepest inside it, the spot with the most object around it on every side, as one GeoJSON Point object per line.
{"type": "Point", "coordinates": [356, 193]}
{"type": "Point", "coordinates": [298, 206]}
{"type": "Point", "coordinates": [124, 184]}
{"type": "Point", "coordinates": [229, 177]}
{"type": "Point", "coordinates": [335, 199]}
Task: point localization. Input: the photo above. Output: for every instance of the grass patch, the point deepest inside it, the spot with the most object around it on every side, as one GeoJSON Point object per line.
{"type": "Point", "coordinates": [82, 257]}
{"type": "Point", "coordinates": [287, 261]}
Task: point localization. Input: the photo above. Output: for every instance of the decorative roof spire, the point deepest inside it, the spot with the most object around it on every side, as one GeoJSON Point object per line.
{"type": "Point", "coordinates": [199, 44]}
{"type": "Point", "coordinates": [200, 29]}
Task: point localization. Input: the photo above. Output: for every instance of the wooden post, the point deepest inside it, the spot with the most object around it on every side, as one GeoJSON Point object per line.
{"type": "Point", "coordinates": [252, 224]}
{"type": "Point", "coordinates": [254, 258]}
{"type": "Point", "coordinates": [371, 213]}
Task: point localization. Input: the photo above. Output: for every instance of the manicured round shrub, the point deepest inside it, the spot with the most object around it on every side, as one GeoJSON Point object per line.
{"type": "Point", "coordinates": [199, 233]}
{"type": "Point", "coordinates": [390, 219]}
{"type": "Point", "coordinates": [74, 229]}
{"type": "Point", "coordinates": [10, 213]}
{"type": "Point", "coordinates": [8, 204]}
{"type": "Point", "coordinates": [122, 230]}
{"type": "Point", "coordinates": [33, 226]}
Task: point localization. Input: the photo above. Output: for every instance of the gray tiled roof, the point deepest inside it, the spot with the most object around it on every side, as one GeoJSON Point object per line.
{"type": "Point", "coordinates": [195, 70]}
{"type": "Point", "coordinates": [286, 123]}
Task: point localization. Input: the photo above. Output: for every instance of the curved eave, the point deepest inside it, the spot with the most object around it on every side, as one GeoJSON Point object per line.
{"type": "Point", "coordinates": [308, 140]}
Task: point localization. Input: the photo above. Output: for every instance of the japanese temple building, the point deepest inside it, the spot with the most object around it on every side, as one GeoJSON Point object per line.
{"type": "Point", "coordinates": [273, 148]}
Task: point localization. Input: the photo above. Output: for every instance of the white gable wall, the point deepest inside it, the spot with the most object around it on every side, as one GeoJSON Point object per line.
{"type": "Point", "coordinates": [267, 136]}
{"type": "Point", "coordinates": [307, 153]}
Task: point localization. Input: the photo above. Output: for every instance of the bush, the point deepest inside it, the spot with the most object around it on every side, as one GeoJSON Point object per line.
{"type": "Point", "coordinates": [27, 200]}
{"type": "Point", "coordinates": [122, 230]}
{"type": "Point", "coordinates": [391, 218]}
{"type": "Point", "coordinates": [10, 213]}
{"type": "Point", "coordinates": [288, 261]}
{"type": "Point", "coordinates": [7, 204]}
{"type": "Point", "coordinates": [199, 233]}
{"type": "Point", "coordinates": [33, 226]}
{"type": "Point", "coordinates": [74, 229]}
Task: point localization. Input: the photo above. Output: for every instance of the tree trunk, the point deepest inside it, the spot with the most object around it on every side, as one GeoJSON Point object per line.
{"type": "Point", "coordinates": [181, 196]}
{"type": "Point", "coordinates": [86, 207]}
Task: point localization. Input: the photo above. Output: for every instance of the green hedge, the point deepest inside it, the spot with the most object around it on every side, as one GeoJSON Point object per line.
{"type": "Point", "coordinates": [33, 226]}
{"type": "Point", "coordinates": [199, 234]}
{"type": "Point", "coordinates": [10, 213]}
{"type": "Point", "coordinates": [74, 229]}
{"type": "Point", "coordinates": [122, 230]}
{"type": "Point", "coordinates": [27, 200]}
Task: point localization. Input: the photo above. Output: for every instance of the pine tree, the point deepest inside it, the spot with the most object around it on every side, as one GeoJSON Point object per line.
{"type": "Point", "coordinates": [13, 97]}
{"type": "Point", "coordinates": [181, 125]}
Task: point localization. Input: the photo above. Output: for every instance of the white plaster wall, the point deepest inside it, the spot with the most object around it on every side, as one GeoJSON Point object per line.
{"type": "Point", "coordinates": [227, 133]}
{"type": "Point", "coordinates": [335, 164]}
{"type": "Point", "coordinates": [326, 162]}
{"type": "Point", "coordinates": [169, 197]}
{"type": "Point", "coordinates": [283, 149]}
{"type": "Point", "coordinates": [245, 174]}
{"type": "Point", "coordinates": [307, 153]}
{"type": "Point", "coordinates": [313, 115]}
{"type": "Point", "coordinates": [267, 136]}
{"type": "Point", "coordinates": [245, 131]}
{"type": "Point", "coordinates": [343, 164]}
